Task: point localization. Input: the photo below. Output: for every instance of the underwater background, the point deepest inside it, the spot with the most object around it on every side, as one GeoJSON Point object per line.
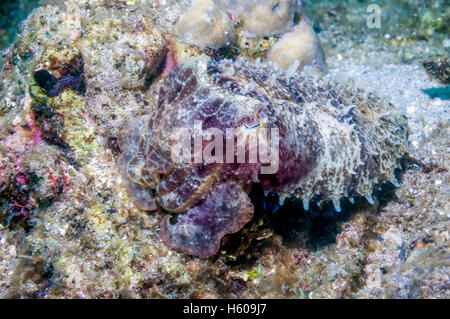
{"type": "Point", "coordinates": [69, 229]}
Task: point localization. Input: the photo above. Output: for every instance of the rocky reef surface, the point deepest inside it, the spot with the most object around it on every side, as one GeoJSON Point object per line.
{"type": "Point", "coordinates": [13, 13]}
{"type": "Point", "coordinates": [79, 70]}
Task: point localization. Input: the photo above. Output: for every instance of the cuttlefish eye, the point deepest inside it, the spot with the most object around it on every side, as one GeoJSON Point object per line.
{"type": "Point", "coordinates": [255, 122]}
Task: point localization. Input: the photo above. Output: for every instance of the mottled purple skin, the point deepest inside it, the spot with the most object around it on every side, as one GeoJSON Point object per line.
{"type": "Point", "coordinates": [211, 199]}
{"type": "Point", "coordinates": [201, 227]}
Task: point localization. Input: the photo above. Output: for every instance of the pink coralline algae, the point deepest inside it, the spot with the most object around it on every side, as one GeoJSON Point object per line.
{"type": "Point", "coordinates": [335, 142]}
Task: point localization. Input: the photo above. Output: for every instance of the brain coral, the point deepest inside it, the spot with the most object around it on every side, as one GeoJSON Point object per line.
{"type": "Point", "coordinates": [334, 142]}
{"type": "Point", "coordinates": [208, 22]}
{"type": "Point", "coordinates": [205, 24]}
{"type": "Point", "coordinates": [298, 44]}
{"type": "Point", "coordinates": [263, 17]}
{"type": "Point", "coordinates": [218, 23]}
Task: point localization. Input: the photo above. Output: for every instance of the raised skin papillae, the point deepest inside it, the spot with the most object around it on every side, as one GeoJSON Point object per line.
{"type": "Point", "coordinates": [335, 141]}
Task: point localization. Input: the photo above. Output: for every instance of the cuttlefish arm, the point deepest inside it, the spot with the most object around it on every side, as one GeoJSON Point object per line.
{"type": "Point", "coordinates": [199, 230]}
{"type": "Point", "coordinates": [130, 164]}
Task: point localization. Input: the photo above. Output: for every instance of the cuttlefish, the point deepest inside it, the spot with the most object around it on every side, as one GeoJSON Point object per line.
{"type": "Point", "coordinates": [221, 127]}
